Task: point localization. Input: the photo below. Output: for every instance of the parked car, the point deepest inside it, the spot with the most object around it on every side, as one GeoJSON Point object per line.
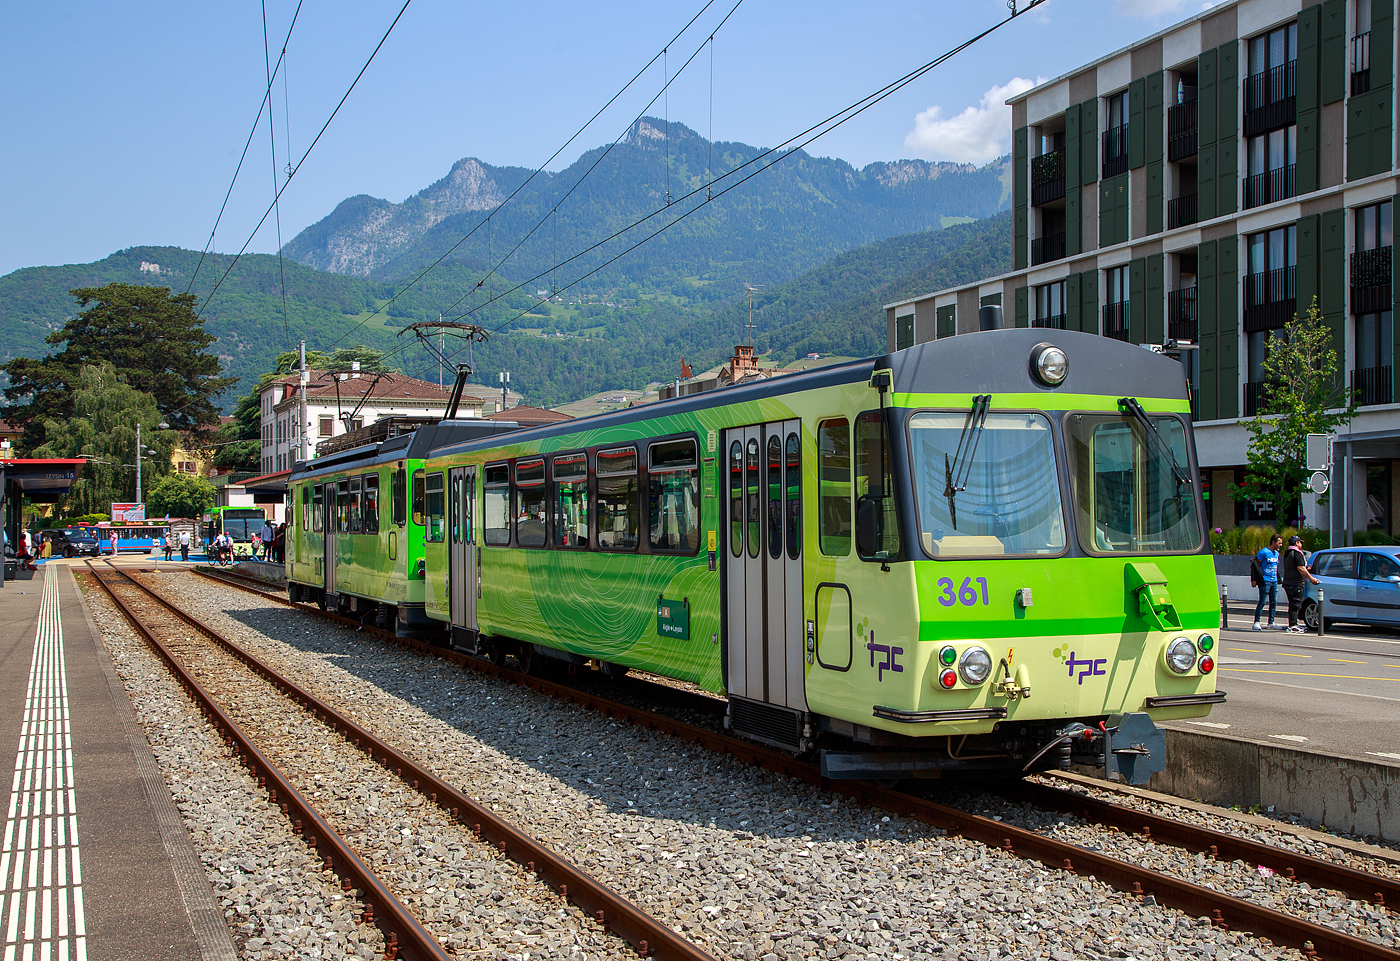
{"type": "Point", "coordinates": [1358, 584]}
{"type": "Point", "coordinates": [73, 542]}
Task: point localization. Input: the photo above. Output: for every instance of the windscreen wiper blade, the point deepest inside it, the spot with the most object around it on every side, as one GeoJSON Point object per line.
{"type": "Point", "coordinates": [1130, 406]}
{"type": "Point", "coordinates": [959, 469]}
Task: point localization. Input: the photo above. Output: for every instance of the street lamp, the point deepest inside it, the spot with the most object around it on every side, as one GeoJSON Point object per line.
{"type": "Point", "coordinates": [163, 426]}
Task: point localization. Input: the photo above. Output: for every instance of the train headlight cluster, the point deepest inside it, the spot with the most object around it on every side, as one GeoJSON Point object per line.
{"type": "Point", "coordinates": [1181, 655]}
{"type": "Point", "coordinates": [1049, 364]}
{"type": "Point", "coordinates": [975, 666]}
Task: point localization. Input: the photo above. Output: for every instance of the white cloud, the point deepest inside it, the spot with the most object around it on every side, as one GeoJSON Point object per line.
{"type": "Point", "coordinates": [977, 135]}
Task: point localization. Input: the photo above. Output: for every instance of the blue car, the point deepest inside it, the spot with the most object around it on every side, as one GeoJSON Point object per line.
{"type": "Point", "coordinates": [1358, 584]}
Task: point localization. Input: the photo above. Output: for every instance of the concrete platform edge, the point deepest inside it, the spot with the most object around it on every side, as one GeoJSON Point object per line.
{"type": "Point", "coordinates": [205, 916]}
{"type": "Point", "coordinates": [1343, 794]}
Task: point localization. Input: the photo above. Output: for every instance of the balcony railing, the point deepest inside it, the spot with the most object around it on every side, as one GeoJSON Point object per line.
{"type": "Point", "coordinates": [1371, 385]}
{"type": "Point", "coordinates": [1360, 63]}
{"type": "Point", "coordinates": [1048, 248]}
{"type": "Point", "coordinates": [1270, 299]}
{"type": "Point", "coordinates": [1370, 280]}
{"type": "Point", "coordinates": [1270, 99]}
{"type": "Point", "coordinates": [1267, 187]}
{"type": "Point", "coordinates": [1254, 395]}
{"type": "Point", "coordinates": [1115, 150]}
{"type": "Point", "coordinates": [1053, 322]}
{"type": "Point", "coordinates": [1181, 130]}
{"type": "Point", "coordinates": [1115, 320]}
{"type": "Point", "coordinates": [1047, 177]}
{"type": "Point", "coordinates": [1181, 211]}
{"type": "Point", "coordinates": [1181, 315]}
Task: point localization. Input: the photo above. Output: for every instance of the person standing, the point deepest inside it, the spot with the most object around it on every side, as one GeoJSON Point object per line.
{"type": "Point", "coordinates": [269, 534]}
{"type": "Point", "coordinates": [184, 545]}
{"type": "Point", "coordinates": [1264, 571]}
{"type": "Point", "coordinates": [1295, 576]}
{"type": "Point", "coordinates": [169, 545]}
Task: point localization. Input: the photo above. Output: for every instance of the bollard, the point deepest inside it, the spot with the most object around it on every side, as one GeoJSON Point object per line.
{"type": "Point", "coordinates": [1321, 621]}
{"type": "Point", "coordinates": [1224, 607]}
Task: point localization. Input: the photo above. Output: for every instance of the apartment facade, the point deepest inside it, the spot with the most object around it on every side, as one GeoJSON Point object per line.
{"type": "Point", "coordinates": [1194, 191]}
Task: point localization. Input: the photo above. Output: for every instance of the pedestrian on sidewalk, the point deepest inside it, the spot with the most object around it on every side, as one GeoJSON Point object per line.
{"type": "Point", "coordinates": [184, 545]}
{"type": "Point", "coordinates": [1263, 574]}
{"type": "Point", "coordinates": [169, 545]}
{"type": "Point", "coordinates": [1295, 576]}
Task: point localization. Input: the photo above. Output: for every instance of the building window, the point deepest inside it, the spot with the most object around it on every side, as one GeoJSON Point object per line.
{"type": "Point", "coordinates": [1050, 245]}
{"type": "Point", "coordinates": [1371, 261]}
{"type": "Point", "coordinates": [1050, 306]}
{"type": "Point", "coordinates": [1270, 90]}
{"type": "Point", "coordinates": [327, 426]}
{"type": "Point", "coordinates": [1115, 135]}
{"type": "Point", "coordinates": [1273, 158]}
{"type": "Point", "coordinates": [1361, 49]}
{"type": "Point", "coordinates": [1182, 123]}
{"type": "Point", "coordinates": [1048, 169]}
{"type": "Point", "coordinates": [1374, 344]}
{"type": "Point", "coordinates": [1270, 301]}
{"type": "Point", "coordinates": [1115, 307]}
{"type": "Point", "coordinates": [357, 423]}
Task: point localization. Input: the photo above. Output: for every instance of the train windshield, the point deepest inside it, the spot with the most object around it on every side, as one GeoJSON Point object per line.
{"type": "Point", "coordinates": [1004, 498]}
{"type": "Point", "coordinates": [1132, 490]}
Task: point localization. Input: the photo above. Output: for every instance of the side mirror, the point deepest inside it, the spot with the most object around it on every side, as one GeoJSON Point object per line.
{"type": "Point", "coordinates": [868, 526]}
{"type": "Point", "coordinates": [1394, 578]}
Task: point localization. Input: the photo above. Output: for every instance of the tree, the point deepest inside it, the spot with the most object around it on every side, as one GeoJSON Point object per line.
{"type": "Point", "coordinates": [1303, 397]}
{"type": "Point", "coordinates": [180, 495]}
{"type": "Point", "coordinates": [153, 340]}
{"type": "Point", "coordinates": [102, 428]}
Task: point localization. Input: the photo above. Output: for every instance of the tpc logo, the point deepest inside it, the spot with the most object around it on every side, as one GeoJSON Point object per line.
{"type": "Point", "coordinates": [1087, 667]}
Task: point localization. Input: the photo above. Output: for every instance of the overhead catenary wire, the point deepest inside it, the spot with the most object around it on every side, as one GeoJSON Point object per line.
{"type": "Point", "coordinates": [272, 140]}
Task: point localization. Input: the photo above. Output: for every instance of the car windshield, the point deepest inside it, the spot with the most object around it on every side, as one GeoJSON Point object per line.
{"type": "Point", "coordinates": [1004, 499]}
{"type": "Point", "coordinates": [1132, 494]}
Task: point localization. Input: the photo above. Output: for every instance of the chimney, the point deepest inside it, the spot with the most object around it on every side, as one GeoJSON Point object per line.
{"type": "Point", "coordinates": [355, 368]}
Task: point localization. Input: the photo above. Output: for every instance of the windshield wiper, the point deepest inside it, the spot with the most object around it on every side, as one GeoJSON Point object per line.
{"type": "Point", "coordinates": [958, 470]}
{"type": "Point", "coordinates": [1130, 406]}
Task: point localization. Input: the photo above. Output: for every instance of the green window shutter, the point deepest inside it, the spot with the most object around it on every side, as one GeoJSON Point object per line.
{"type": "Point", "coordinates": [990, 300]}
{"type": "Point", "coordinates": [1072, 146]}
{"type": "Point", "coordinates": [1023, 307]}
{"type": "Point", "coordinates": [1359, 136]}
{"type": "Point", "coordinates": [1395, 293]}
{"type": "Point", "coordinates": [1382, 35]}
{"type": "Point", "coordinates": [1155, 173]}
{"type": "Point", "coordinates": [1308, 278]}
{"type": "Point", "coordinates": [1108, 198]}
{"type": "Point", "coordinates": [1072, 307]}
{"type": "Point", "coordinates": [1307, 173]}
{"type": "Point", "coordinates": [1137, 125]}
{"type": "Point", "coordinates": [1021, 241]}
{"type": "Point", "coordinates": [1153, 116]}
{"type": "Point", "coordinates": [1227, 177]}
{"type": "Point", "coordinates": [1383, 100]}
{"type": "Point", "coordinates": [1074, 220]}
{"type": "Point", "coordinates": [1227, 323]}
{"type": "Point", "coordinates": [1227, 125]}
{"type": "Point", "coordinates": [1207, 312]}
{"type": "Point", "coordinates": [1020, 197]}
{"type": "Point", "coordinates": [1206, 162]}
{"type": "Point", "coordinates": [1137, 301]}
{"type": "Point", "coordinates": [946, 321]}
{"type": "Point", "coordinates": [904, 332]}
{"type": "Point", "coordinates": [1334, 279]}
{"type": "Point", "coordinates": [1336, 74]}
{"type": "Point", "coordinates": [1089, 142]}
{"type": "Point", "coordinates": [1089, 301]}
{"type": "Point", "coordinates": [1156, 299]}
{"type": "Point", "coordinates": [1121, 210]}
{"type": "Point", "coordinates": [1206, 72]}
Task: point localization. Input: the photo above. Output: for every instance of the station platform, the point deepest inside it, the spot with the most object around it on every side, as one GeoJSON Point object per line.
{"type": "Point", "coordinates": [94, 859]}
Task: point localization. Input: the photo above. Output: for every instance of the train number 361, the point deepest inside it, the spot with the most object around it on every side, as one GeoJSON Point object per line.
{"type": "Point", "coordinates": [967, 595]}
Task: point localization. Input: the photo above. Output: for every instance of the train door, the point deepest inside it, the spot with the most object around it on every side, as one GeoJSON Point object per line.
{"type": "Point", "coordinates": [763, 577]}
{"type": "Point", "coordinates": [461, 569]}
{"type": "Point", "coordinates": [333, 500]}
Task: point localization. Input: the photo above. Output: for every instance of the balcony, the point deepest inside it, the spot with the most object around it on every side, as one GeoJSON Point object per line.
{"type": "Point", "coordinates": [1270, 299]}
{"type": "Point", "coordinates": [1053, 322]}
{"type": "Point", "coordinates": [1371, 385]}
{"type": "Point", "coordinates": [1181, 211]}
{"type": "Point", "coordinates": [1048, 248]}
{"type": "Point", "coordinates": [1115, 151]}
{"type": "Point", "coordinates": [1255, 392]}
{"type": "Point", "coordinates": [1115, 320]}
{"type": "Point", "coordinates": [1182, 141]}
{"type": "Point", "coordinates": [1047, 177]}
{"type": "Point", "coordinates": [1270, 186]}
{"type": "Point", "coordinates": [1370, 280]}
{"type": "Point", "coordinates": [1360, 63]}
{"type": "Point", "coordinates": [1270, 99]}
{"type": "Point", "coordinates": [1181, 315]}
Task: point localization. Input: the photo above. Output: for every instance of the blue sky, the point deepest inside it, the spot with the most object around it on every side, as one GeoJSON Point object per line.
{"type": "Point", "coordinates": [123, 122]}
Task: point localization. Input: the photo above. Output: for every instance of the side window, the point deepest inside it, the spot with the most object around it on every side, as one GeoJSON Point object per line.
{"type": "Point", "coordinates": [398, 495]}
{"type": "Point", "coordinates": [794, 495]}
{"type": "Point", "coordinates": [306, 508]}
{"type": "Point", "coordinates": [418, 517]}
{"type": "Point", "coordinates": [496, 526]}
{"type": "Point", "coordinates": [353, 508]}
{"type": "Point", "coordinates": [1334, 565]}
{"type": "Point", "coordinates": [617, 499]}
{"type": "Point", "coordinates": [342, 506]}
{"type": "Point", "coordinates": [874, 483]}
{"type": "Point", "coordinates": [752, 495]}
{"type": "Point", "coordinates": [834, 487]}
{"type": "Point", "coordinates": [673, 496]}
{"type": "Point", "coordinates": [529, 499]}
{"type": "Point", "coordinates": [317, 507]}
{"type": "Point", "coordinates": [371, 511]}
{"type": "Point", "coordinates": [1378, 567]}
{"type": "Point", "coordinates": [469, 508]}
{"type": "Point", "coordinates": [570, 475]}
{"type": "Point", "coordinates": [736, 498]}
{"type": "Point", "coordinates": [454, 509]}
{"type": "Point", "coordinates": [774, 462]}
{"type": "Point", "coordinates": [437, 522]}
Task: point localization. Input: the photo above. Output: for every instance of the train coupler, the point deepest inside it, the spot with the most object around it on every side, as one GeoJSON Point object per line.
{"type": "Point", "coordinates": [1127, 747]}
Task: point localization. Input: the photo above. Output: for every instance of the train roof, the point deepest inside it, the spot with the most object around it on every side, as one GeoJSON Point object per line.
{"type": "Point", "coordinates": [410, 446]}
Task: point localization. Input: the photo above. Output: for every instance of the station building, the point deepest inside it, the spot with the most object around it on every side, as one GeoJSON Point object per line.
{"type": "Point", "coordinates": [1195, 190]}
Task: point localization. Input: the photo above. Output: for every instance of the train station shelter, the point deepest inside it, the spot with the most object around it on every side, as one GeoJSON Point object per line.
{"type": "Point", "coordinates": [38, 480]}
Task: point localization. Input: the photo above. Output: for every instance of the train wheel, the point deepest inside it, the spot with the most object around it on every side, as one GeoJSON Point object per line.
{"type": "Point", "coordinates": [321, 600]}
{"type": "Point", "coordinates": [293, 592]}
{"type": "Point", "coordinates": [496, 654]}
{"type": "Point", "coordinates": [612, 671]}
{"type": "Point", "coordinates": [525, 657]}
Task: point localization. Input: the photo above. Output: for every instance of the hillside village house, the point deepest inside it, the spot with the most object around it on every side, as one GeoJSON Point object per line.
{"type": "Point", "coordinates": [1193, 192]}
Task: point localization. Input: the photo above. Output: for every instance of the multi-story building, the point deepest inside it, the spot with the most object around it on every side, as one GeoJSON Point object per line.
{"type": "Point", "coordinates": [1194, 191]}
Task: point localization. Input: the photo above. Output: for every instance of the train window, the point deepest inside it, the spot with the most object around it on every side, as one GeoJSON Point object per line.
{"type": "Point", "coordinates": [673, 479]}
{"type": "Point", "coordinates": [736, 498]}
{"type": "Point", "coordinates": [398, 495]}
{"type": "Point", "coordinates": [873, 480]}
{"type": "Point", "coordinates": [454, 509]}
{"type": "Point", "coordinates": [617, 499]}
{"type": "Point", "coordinates": [496, 527]}
{"type": "Point", "coordinates": [794, 495]}
{"type": "Point", "coordinates": [774, 452]}
{"type": "Point", "coordinates": [418, 517]}
{"type": "Point", "coordinates": [342, 508]}
{"type": "Point", "coordinates": [306, 508]}
{"type": "Point", "coordinates": [1007, 501]}
{"type": "Point", "coordinates": [529, 501]}
{"type": "Point", "coordinates": [570, 474]}
{"type": "Point", "coordinates": [371, 504]}
{"type": "Point", "coordinates": [1132, 486]}
{"type": "Point", "coordinates": [317, 506]}
{"type": "Point", "coordinates": [751, 495]}
{"type": "Point", "coordinates": [354, 507]}
{"type": "Point", "coordinates": [436, 515]}
{"type": "Point", "coordinates": [834, 487]}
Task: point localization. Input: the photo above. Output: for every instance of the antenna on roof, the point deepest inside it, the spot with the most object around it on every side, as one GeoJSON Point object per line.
{"type": "Point", "coordinates": [750, 325]}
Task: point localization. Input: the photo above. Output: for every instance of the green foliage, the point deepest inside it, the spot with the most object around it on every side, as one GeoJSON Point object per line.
{"type": "Point", "coordinates": [180, 495]}
{"type": "Point", "coordinates": [1249, 540]}
{"type": "Point", "coordinates": [1372, 538]}
{"type": "Point", "coordinates": [1304, 397]}
{"type": "Point", "coordinates": [56, 523]}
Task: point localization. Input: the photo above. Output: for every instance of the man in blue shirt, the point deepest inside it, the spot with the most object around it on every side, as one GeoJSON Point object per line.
{"type": "Point", "coordinates": [1264, 573]}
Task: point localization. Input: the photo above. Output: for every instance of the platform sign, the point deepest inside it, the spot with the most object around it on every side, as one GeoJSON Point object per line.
{"type": "Point", "coordinates": [128, 513]}
{"type": "Point", "coordinates": [673, 619]}
{"type": "Point", "coordinates": [1317, 453]}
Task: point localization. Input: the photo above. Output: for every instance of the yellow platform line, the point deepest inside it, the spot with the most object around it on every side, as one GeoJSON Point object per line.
{"type": "Point", "coordinates": [1341, 660]}
{"type": "Point", "coordinates": [1246, 650]}
{"type": "Point", "coordinates": [1286, 654]}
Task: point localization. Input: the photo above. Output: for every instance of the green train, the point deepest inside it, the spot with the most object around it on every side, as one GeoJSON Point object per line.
{"type": "Point", "coordinates": [971, 556]}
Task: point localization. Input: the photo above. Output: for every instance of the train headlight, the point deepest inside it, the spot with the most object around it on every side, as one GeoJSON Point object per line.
{"type": "Point", "coordinates": [975, 665]}
{"type": "Point", "coordinates": [1049, 364]}
{"type": "Point", "coordinates": [1205, 642]}
{"type": "Point", "coordinates": [1181, 655]}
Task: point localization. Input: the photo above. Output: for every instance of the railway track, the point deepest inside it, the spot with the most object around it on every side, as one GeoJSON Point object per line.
{"type": "Point", "coordinates": [405, 937]}
{"type": "Point", "coordinates": [1197, 900]}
